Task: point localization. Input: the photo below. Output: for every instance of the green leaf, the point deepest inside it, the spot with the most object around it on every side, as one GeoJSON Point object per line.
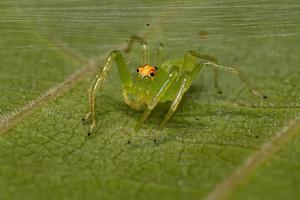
{"type": "Point", "coordinates": [282, 173]}
{"type": "Point", "coordinates": [212, 148]}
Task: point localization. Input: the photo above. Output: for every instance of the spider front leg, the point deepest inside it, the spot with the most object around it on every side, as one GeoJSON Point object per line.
{"type": "Point", "coordinates": [186, 80]}
{"type": "Point", "coordinates": [170, 80]}
{"type": "Point", "coordinates": [234, 70]}
{"type": "Point", "coordinates": [185, 84]}
{"type": "Point", "coordinates": [144, 45]}
{"type": "Point", "coordinates": [99, 79]}
{"type": "Point", "coordinates": [159, 54]}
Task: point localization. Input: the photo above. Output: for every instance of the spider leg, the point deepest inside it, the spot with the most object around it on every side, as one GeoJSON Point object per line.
{"type": "Point", "coordinates": [207, 58]}
{"type": "Point", "coordinates": [144, 45]}
{"type": "Point", "coordinates": [234, 70]}
{"type": "Point", "coordinates": [99, 79]}
{"type": "Point", "coordinates": [241, 76]}
{"type": "Point", "coordinates": [170, 80]}
{"type": "Point", "coordinates": [186, 80]}
{"type": "Point", "coordinates": [185, 84]}
{"type": "Point", "coordinates": [159, 54]}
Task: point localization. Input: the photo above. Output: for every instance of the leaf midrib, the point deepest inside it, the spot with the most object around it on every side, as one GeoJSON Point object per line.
{"type": "Point", "coordinates": [264, 154]}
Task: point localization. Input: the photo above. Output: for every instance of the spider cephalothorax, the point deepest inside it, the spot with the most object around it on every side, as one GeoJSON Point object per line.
{"type": "Point", "coordinates": [147, 71]}
{"type": "Point", "coordinates": [170, 83]}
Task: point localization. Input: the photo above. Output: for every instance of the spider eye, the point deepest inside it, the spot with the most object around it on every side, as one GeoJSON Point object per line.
{"type": "Point", "coordinates": [152, 74]}
{"type": "Point", "coordinates": [137, 70]}
{"type": "Point", "coordinates": [155, 68]}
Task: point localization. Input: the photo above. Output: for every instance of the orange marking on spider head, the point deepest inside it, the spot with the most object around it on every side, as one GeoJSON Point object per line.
{"type": "Point", "coordinates": [147, 71]}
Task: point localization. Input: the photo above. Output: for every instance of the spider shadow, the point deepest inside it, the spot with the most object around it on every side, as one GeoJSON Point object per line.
{"type": "Point", "coordinates": [180, 123]}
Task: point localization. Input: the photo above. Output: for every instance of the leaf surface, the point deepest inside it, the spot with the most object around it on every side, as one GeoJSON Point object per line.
{"type": "Point", "coordinates": [204, 150]}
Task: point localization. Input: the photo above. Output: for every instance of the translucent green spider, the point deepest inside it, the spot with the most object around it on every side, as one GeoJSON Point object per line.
{"type": "Point", "coordinates": [150, 84]}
